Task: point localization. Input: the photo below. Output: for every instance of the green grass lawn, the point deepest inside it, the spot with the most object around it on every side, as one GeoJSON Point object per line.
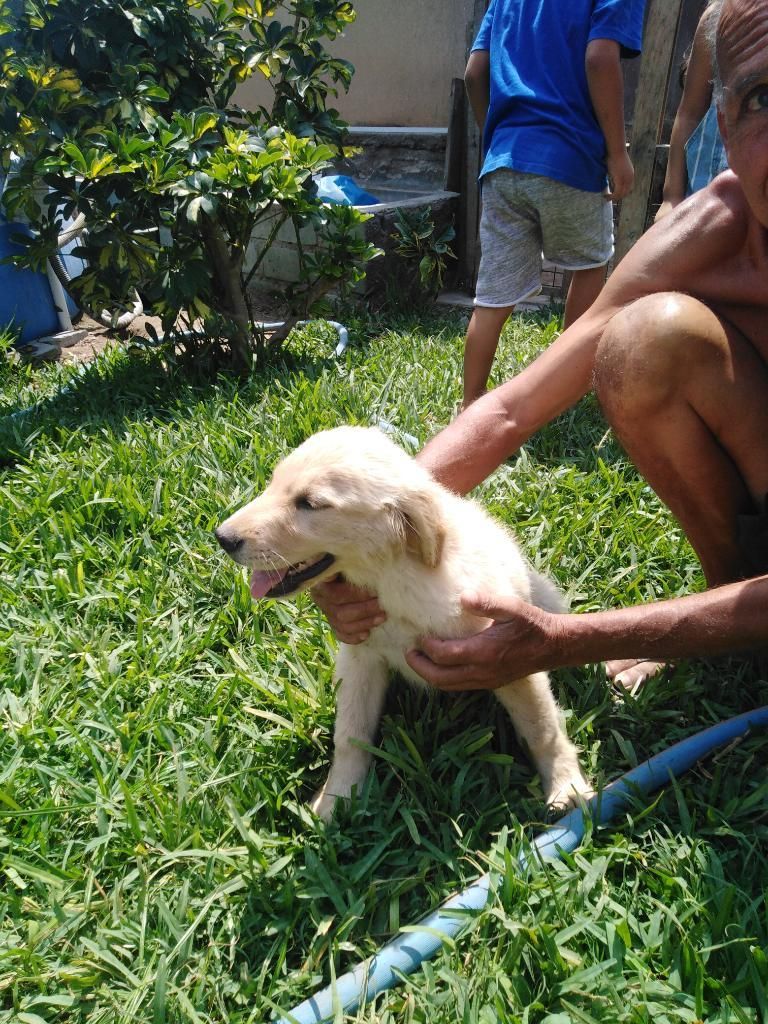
{"type": "Point", "coordinates": [160, 734]}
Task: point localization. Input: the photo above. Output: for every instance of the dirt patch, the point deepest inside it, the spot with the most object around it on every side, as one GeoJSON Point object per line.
{"type": "Point", "coordinates": [266, 307]}
{"type": "Point", "coordinates": [97, 338]}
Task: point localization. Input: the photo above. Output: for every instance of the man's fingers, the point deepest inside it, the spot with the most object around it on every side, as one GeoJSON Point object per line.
{"type": "Point", "coordinates": [460, 677]}
{"type": "Point", "coordinates": [338, 591]}
{"type": "Point", "coordinates": [491, 607]}
{"type": "Point", "coordinates": [359, 611]}
{"type": "Point", "coordinates": [352, 638]}
{"type": "Point", "coordinates": [328, 586]}
{"type": "Point", "coordinates": [449, 652]}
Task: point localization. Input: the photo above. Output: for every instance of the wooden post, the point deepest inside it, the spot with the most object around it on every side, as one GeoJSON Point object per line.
{"type": "Point", "coordinates": [471, 197]}
{"type": "Point", "coordinates": [656, 64]}
{"type": "Point", "coordinates": [469, 204]}
{"type": "Point", "coordinates": [454, 144]}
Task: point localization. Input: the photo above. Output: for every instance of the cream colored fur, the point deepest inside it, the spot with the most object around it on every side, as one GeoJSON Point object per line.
{"type": "Point", "coordinates": [396, 531]}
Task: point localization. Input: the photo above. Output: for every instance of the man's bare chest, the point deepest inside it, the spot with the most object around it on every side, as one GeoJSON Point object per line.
{"type": "Point", "coordinates": [751, 321]}
{"type": "Point", "coordinates": [737, 291]}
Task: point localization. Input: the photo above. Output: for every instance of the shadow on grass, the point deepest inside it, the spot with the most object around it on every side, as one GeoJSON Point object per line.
{"type": "Point", "coordinates": [130, 384]}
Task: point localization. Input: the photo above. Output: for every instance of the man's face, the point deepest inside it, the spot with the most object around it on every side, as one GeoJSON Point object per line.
{"type": "Point", "coordinates": [743, 57]}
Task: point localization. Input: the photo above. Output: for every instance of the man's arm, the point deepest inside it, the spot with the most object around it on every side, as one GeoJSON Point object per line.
{"type": "Point", "coordinates": [477, 82]}
{"type": "Point", "coordinates": [606, 90]}
{"type": "Point", "coordinates": [476, 443]}
{"type": "Point", "coordinates": [470, 448]}
{"type": "Point", "coordinates": [494, 427]}
{"type": "Point", "coordinates": [523, 639]}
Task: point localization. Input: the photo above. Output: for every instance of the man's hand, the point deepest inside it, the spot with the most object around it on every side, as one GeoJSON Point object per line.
{"type": "Point", "coordinates": [520, 640]}
{"type": "Point", "coordinates": [621, 175]}
{"type": "Point", "coordinates": [352, 612]}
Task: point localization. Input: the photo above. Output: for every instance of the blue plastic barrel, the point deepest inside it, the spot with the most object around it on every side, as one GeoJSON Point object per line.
{"type": "Point", "coordinates": [25, 295]}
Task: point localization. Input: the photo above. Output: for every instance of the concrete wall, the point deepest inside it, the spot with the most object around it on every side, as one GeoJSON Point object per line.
{"type": "Point", "coordinates": [405, 53]}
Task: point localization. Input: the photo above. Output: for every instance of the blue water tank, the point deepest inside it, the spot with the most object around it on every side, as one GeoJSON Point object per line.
{"type": "Point", "coordinates": [25, 295]}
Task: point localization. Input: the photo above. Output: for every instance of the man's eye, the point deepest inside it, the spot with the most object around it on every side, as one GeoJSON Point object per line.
{"type": "Point", "coordinates": [758, 100]}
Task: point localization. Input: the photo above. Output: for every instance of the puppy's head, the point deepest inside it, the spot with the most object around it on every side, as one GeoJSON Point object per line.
{"type": "Point", "coordinates": [344, 501]}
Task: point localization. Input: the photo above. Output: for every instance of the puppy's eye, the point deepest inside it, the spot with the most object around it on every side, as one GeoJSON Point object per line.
{"type": "Point", "coordinates": [305, 503]}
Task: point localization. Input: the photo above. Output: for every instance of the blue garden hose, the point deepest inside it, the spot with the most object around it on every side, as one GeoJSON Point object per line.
{"type": "Point", "coordinates": [408, 951]}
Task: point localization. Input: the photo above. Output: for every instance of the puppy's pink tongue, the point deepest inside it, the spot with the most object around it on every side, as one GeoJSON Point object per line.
{"type": "Point", "coordinates": [262, 582]}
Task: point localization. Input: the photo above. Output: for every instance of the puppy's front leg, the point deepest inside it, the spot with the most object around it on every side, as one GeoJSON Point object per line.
{"type": "Point", "coordinates": [536, 717]}
{"type": "Point", "coordinates": [363, 679]}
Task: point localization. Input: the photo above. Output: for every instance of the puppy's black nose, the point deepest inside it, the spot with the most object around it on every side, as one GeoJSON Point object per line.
{"type": "Point", "coordinates": [228, 542]}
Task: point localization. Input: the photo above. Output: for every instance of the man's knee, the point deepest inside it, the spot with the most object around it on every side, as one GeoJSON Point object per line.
{"type": "Point", "coordinates": [644, 355]}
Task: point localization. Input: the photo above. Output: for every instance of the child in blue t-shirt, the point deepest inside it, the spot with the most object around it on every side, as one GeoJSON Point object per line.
{"type": "Point", "coordinates": [544, 81]}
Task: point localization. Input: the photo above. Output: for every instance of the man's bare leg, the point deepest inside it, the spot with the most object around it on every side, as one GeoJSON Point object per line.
{"type": "Point", "coordinates": [584, 288]}
{"type": "Point", "coordinates": [480, 347]}
{"type": "Point", "coordinates": [686, 395]}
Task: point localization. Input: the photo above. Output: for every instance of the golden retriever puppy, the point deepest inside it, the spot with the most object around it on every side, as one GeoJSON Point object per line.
{"type": "Point", "coordinates": [351, 501]}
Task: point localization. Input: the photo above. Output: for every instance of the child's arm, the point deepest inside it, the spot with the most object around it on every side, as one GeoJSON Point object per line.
{"type": "Point", "coordinates": [477, 82]}
{"type": "Point", "coordinates": [697, 96]}
{"type": "Point", "coordinates": [606, 90]}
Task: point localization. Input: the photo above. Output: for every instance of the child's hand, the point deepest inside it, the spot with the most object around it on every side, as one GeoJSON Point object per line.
{"type": "Point", "coordinates": [621, 175]}
{"type": "Point", "coordinates": [666, 208]}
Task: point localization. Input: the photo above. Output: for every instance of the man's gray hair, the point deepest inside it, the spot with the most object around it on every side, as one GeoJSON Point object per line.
{"type": "Point", "coordinates": [712, 14]}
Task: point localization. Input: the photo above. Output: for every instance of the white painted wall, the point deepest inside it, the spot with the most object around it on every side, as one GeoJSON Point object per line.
{"type": "Point", "coordinates": [405, 53]}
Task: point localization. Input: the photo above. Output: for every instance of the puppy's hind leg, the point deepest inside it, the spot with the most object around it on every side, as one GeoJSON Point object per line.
{"type": "Point", "coordinates": [536, 717]}
{"type": "Point", "coordinates": [363, 679]}
{"type": "Point", "coordinates": [545, 594]}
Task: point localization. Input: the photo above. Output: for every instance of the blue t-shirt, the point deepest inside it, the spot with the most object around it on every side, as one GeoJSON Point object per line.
{"type": "Point", "coordinates": [540, 118]}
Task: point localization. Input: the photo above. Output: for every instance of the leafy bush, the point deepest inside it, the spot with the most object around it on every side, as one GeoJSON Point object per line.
{"type": "Point", "coordinates": [125, 113]}
{"type": "Point", "coordinates": [425, 248]}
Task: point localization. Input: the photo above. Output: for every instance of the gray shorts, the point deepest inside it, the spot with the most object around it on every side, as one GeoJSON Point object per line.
{"type": "Point", "coordinates": [525, 216]}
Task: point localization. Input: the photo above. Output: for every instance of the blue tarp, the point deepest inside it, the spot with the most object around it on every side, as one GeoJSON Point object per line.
{"type": "Point", "coordinates": [26, 302]}
{"type": "Point", "coordinates": [341, 189]}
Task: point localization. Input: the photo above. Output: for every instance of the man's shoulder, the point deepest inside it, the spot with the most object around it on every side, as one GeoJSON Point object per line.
{"type": "Point", "coordinates": [701, 236]}
{"type": "Point", "coordinates": [712, 219]}
{"type": "Point", "coordinates": [724, 195]}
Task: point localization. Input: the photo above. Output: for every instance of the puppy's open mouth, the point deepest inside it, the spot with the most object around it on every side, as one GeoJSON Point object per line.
{"type": "Point", "coordinates": [279, 582]}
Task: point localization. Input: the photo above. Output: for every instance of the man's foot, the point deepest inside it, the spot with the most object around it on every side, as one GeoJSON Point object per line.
{"type": "Point", "coordinates": [633, 672]}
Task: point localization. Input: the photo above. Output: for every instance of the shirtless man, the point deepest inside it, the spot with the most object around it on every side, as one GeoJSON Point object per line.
{"type": "Point", "coordinates": [676, 348]}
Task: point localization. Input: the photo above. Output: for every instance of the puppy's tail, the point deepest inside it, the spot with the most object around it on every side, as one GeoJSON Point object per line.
{"type": "Point", "coordinates": [544, 594]}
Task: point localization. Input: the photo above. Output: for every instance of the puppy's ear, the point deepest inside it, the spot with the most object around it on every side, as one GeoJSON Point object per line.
{"type": "Point", "coordinates": [418, 519]}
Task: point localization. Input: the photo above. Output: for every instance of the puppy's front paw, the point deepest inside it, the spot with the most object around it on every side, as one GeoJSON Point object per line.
{"type": "Point", "coordinates": [568, 792]}
{"type": "Point", "coordinates": [323, 803]}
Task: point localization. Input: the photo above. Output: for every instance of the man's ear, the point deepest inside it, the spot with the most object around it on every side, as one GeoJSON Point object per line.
{"type": "Point", "coordinates": [418, 520]}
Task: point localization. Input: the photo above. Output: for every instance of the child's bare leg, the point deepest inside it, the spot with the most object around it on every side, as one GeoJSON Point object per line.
{"type": "Point", "coordinates": [584, 288]}
{"type": "Point", "coordinates": [480, 347]}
